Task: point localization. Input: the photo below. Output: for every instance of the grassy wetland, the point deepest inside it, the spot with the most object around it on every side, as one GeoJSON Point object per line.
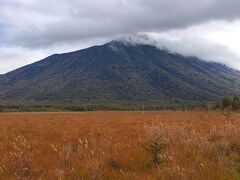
{"type": "Point", "coordinates": [120, 145]}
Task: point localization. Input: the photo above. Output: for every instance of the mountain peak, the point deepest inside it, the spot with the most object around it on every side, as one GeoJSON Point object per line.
{"type": "Point", "coordinates": [137, 70]}
{"type": "Point", "coordinates": [136, 39]}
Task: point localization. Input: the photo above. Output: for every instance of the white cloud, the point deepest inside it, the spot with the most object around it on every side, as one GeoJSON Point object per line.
{"type": "Point", "coordinates": [214, 41]}
{"type": "Point", "coordinates": [14, 57]}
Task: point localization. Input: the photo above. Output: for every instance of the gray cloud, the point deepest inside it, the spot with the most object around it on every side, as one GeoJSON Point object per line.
{"type": "Point", "coordinates": [33, 29]}
{"type": "Point", "coordinates": [45, 22]}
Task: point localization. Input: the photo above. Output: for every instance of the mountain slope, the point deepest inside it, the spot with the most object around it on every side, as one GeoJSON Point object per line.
{"type": "Point", "coordinates": [120, 71]}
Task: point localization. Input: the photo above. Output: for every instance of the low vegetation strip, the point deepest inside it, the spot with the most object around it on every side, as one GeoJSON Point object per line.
{"type": "Point", "coordinates": [120, 145]}
{"type": "Point", "coordinates": [117, 106]}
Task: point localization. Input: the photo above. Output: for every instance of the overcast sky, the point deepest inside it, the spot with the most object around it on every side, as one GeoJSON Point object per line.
{"type": "Point", "coordinates": [33, 29]}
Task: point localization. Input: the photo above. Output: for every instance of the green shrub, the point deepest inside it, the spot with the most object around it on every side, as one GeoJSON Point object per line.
{"type": "Point", "coordinates": [236, 103]}
{"type": "Point", "coordinates": [226, 102]}
{"type": "Point", "coordinates": [155, 146]}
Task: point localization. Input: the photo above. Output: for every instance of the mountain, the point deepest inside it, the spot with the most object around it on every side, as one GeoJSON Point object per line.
{"type": "Point", "coordinates": [119, 71]}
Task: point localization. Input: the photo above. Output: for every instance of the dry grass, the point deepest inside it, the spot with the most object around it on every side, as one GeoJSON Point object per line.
{"type": "Point", "coordinates": [109, 145]}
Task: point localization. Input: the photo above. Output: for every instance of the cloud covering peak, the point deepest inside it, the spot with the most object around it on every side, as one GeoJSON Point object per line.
{"type": "Point", "coordinates": [135, 39]}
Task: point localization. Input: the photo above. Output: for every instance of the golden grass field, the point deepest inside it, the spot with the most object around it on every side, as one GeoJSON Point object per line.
{"type": "Point", "coordinates": [112, 145]}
